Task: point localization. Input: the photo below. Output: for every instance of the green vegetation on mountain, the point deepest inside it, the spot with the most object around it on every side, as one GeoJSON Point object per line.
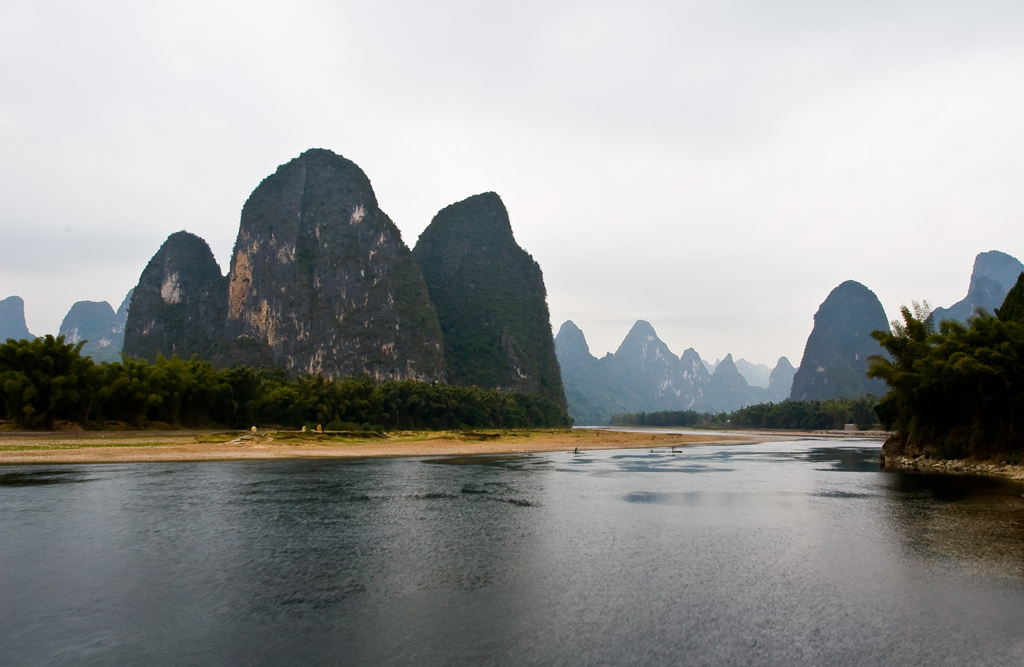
{"type": "Point", "coordinates": [956, 392]}
{"type": "Point", "coordinates": [179, 305]}
{"type": "Point", "coordinates": [490, 300]}
{"type": "Point", "coordinates": [45, 380]}
{"type": "Point", "coordinates": [321, 281]}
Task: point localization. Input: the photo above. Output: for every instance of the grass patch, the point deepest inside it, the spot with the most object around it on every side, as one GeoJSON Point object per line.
{"type": "Point", "coordinates": [223, 436]}
{"type": "Point", "coordinates": [79, 445]}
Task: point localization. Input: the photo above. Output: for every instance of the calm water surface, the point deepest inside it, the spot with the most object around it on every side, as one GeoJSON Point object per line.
{"type": "Point", "coordinates": [787, 553]}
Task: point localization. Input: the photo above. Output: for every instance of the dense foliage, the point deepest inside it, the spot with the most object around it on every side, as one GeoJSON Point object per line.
{"type": "Point", "coordinates": [490, 300]}
{"type": "Point", "coordinates": [802, 415]}
{"type": "Point", "coordinates": [958, 391]}
{"type": "Point", "coordinates": [44, 381]}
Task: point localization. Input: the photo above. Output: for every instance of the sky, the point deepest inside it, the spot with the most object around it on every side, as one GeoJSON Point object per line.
{"type": "Point", "coordinates": [714, 168]}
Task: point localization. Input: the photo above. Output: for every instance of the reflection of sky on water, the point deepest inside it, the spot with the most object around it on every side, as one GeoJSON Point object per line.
{"type": "Point", "coordinates": [780, 553]}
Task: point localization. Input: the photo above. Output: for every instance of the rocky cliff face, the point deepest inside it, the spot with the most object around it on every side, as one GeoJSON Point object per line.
{"type": "Point", "coordinates": [835, 362]}
{"type": "Point", "coordinates": [179, 305]}
{"type": "Point", "coordinates": [490, 300]}
{"type": "Point", "coordinates": [12, 319]}
{"type": "Point", "coordinates": [780, 383]}
{"type": "Point", "coordinates": [321, 282]}
{"type": "Point", "coordinates": [993, 275]}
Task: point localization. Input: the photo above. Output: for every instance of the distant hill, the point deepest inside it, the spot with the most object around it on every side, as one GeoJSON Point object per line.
{"type": "Point", "coordinates": [993, 275]}
{"type": "Point", "coordinates": [728, 390]}
{"type": "Point", "coordinates": [97, 323]}
{"type": "Point", "coordinates": [490, 300]}
{"type": "Point", "coordinates": [12, 319]}
{"type": "Point", "coordinates": [756, 375]}
{"type": "Point", "coordinates": [835, 357]}
{"type": "Point", "coordinates": [643, 375]}
{"type": "Point", "coordinates": [93, 321]}
{"type": "Point", "coordinates": [780, 382]}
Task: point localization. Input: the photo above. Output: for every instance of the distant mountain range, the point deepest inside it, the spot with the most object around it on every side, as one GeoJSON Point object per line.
{"type": "Point", "coordinates": [644, 375]}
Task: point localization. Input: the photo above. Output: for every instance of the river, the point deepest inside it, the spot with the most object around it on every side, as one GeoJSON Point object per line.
{"type": "Point", "coordinates": [785, 553]}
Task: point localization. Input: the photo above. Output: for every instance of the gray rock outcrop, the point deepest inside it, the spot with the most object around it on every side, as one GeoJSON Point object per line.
{"type": "Point", "coordinates": [321, 282]}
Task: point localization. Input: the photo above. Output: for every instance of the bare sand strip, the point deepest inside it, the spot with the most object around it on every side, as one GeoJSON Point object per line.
{"type": "Point", "coordinates": [107, 447]}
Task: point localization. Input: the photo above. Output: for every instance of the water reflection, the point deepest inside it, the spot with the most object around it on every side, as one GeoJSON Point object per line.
{"type": "Point", "coordinates": [974, 523]}
{"type": "Point", "coordinates": [799, 553]}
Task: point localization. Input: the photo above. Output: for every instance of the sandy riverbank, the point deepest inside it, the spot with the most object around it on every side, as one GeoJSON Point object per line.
{"type": "Point", "coordinates": [107, 447]}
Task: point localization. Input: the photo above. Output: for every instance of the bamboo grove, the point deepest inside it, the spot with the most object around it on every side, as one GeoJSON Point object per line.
{"type": "Point", "coordinates": [46, 381]}
{"type": "Point", "coordinates": [958, 391]}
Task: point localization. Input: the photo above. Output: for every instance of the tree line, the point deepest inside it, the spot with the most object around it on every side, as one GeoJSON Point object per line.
{"type": "Point", "coordinates": [45, 381]}
{"type": "Point", "coordinates": [834, 413]}
{"type": "Point", "coordinates": [957, 391]}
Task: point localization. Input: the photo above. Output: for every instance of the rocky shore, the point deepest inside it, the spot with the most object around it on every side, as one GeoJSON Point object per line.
{"type": "Point", "coordinates": [962, 466]}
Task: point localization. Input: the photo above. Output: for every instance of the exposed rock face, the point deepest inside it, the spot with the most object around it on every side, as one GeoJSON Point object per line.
{"type": "Point", "coordinates": [12, 319]}
{"type": "Point", "coordinates": [179, 305]}
{"type": "Point", "coordinates": [993, 275]}
{"type": "Point", "coordinates": [490, 300]}
{"type": "Point", "coordinates": [322, 283]}
{"type": "Point", "coordinates": [780, 384]}
{"type": "Point", "coordinates": [835, 357]}
{"type": "Point", "coordinates": [95, 322]}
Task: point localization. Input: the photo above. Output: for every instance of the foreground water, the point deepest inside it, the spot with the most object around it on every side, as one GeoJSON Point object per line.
{"type": "Point", "coordinates": [793, 553]}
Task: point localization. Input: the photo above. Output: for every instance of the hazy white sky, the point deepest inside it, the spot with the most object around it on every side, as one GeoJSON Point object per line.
{"type": "Point", "coordinates": [715, 168]}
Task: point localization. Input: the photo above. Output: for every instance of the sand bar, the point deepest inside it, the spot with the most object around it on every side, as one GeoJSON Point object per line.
{"type": "Point", "coordinates": [120, 447]}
